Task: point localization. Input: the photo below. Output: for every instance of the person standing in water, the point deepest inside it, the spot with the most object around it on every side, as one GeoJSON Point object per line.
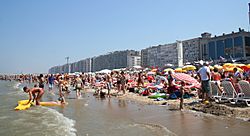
{"type": "Point", "coordinates": [51, 81]}
{"type": "Point", "coordinates": [108, 84]}
{"type": "Point", "coordinates": [38, 92]}
{"type": "Point", "coordinates": [78, 86]}
{"type": "Point", "coordinates": [123, 82]}
{"type": "Point", "coordinates": [41, 81]}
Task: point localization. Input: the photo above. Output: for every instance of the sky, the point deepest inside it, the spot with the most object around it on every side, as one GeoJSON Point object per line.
{"type": "Point", "coordinates": [38, 34]}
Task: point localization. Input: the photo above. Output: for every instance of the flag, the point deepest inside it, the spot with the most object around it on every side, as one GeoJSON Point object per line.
{"type": "Point", "coordinates": [222, 59]}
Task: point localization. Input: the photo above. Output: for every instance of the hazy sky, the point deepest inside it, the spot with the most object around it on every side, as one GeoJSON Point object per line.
{"type": "Point", "coordinates": [35, 35]}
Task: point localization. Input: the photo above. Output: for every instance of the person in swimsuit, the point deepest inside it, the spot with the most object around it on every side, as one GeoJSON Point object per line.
{"type": "Point", "coordinates": [140, 80]}
{"type": "Point", "coordinates": [38, 92]}
{"type": "Point", "coordinates": [78, 86]}
{"type": "Point", "coordinates": [108, 83]}
{"type": "Point", "coordinates": [123, 82]}
{"type": "Point", "coordinates": [41, 81]}
{"type": "Point", "coordinates": [216, 76]}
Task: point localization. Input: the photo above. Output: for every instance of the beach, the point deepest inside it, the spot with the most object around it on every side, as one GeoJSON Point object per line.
{"type": "Point", "coordinates": [228, 110]}
{"type": "Point", "coordinates": [122, 115]}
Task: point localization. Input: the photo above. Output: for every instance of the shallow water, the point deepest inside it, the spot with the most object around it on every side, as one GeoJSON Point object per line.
{"type": "Point", "coordinates": [94, 116]}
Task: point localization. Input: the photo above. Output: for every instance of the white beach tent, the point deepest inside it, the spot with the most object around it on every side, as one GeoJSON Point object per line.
{"type": "Point", "coordinates": [137, 67]}
{"type": "Point", "coordinates": [104, 71]}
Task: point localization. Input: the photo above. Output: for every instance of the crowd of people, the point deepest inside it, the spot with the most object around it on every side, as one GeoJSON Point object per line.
{"type": "Point", "coordinates": [145, 82]}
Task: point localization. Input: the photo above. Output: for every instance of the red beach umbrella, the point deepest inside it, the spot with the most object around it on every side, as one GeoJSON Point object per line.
{"type": "Point", "coordinates": [187, 78]}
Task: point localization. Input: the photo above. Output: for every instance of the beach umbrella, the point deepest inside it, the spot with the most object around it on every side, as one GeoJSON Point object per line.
{"type": "Point", "coordinates": [248, 66]}
{"type": "Point", "coordinates": [231, 69]}
{"type": "Point", "coordinates": [239, 65]}
{"type": "Point", "coordinates": [245, 68]}
{"type": "Point", "coordinates": [228, 65]}
{"type": "Point", "coordinates": [151, 73]}
{"type": "Point", "coordinates": [154, 70]}
{"type": "Point", "coordinates": [187, 78]}
{"type": "Point", "coordinates": [178, 70]}
{"type": "Point", "coordinates": [211, 67]}
{"type": "Point", "coordinates": [168, 69]}
{"type": "Point", "coordinates": [189, 67]}
{"type": "Point", "coordinates": [184, 71]}
{"type": "Point", "coordinates": [218, 67]}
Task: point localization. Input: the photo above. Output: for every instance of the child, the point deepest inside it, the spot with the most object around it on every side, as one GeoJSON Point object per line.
{"type": "Point", "coordinates": [33, 92]}
{"type": "Point", "coordinates": [182, 91]}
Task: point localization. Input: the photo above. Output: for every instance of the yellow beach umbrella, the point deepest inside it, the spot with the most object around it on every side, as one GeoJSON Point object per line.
{"type": "Point", "coordinates": [239, 65]}
{"type": "Point", "coordinates": [189, 67]}
{"type": "Point", "coordinates": [184, 71]}
{"type": "Point", "coordinates": [211, 67]}
{"type": "Point", "coordinates": [218, 67]}
{"type": "Point", "coordinates": [228, 65]}
{"type": "Point", "coordinates": [168, 69]}
{"type": "Point", "coordinates": [231, 69]}
{"type": "Point", "coordinates": [178, 70]}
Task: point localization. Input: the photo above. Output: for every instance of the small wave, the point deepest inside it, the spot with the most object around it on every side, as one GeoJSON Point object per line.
{"type": "Point", "coordinates": [157, 129]}
{"type": "Point", "coordinates": [4, 117]}
{"type": "Point", "coordinates": [50, 121]}
{"type": "Point", "coordinates": [53, 120]}
{"type": "Point", "coordinates": [17, 85]}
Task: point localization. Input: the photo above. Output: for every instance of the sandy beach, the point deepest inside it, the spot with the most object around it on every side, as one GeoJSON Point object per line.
{"type": "Point", "coordinates": [224, 109]}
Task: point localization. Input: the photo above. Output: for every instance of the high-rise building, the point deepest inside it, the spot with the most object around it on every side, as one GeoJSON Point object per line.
{"type": "Point", "coordinates": [235, 45]}
{"type": "Point", "coordinates": [113, 60]}
{"type": "Point", "coordinates": [159, 56]}
{"type": "Point", "coordinates": [117, 59]}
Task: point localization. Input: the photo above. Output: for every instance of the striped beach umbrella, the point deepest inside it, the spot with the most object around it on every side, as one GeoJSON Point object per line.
{"type": "Point", "coordinates": [186, 78]}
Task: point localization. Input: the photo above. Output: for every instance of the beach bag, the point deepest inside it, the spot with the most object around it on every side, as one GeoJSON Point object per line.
{"type": "Point", "coordinates": [172, 96]}
{"type": "Point", "coordinates": [132, 90]}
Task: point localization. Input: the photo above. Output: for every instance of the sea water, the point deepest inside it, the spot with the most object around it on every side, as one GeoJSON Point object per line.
{"type": "Point", "coordinates": [91, 116]}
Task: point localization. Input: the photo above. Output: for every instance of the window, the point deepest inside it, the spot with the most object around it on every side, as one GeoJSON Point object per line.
{"type": "Point", "coordinates": [238, 46]}
{"type": "Point", "coordinates": [220, 48]}
{"type": "Point", "coordinates": [228, 47]}
{"type": "Point", "coordinates": [211, 50]}
{"type": "Point", "coordinates": [247, 45]}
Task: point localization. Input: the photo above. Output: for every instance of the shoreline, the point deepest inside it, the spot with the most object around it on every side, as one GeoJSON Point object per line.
{"type": "Point", "coordinates": [192, 104]}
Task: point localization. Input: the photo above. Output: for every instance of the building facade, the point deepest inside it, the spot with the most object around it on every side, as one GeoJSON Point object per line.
{"type": "Point", "coordinates": [191, 49]}
{"type": "Point", "coordinates": [159, 56]}
{"type": "Point", "coordinates": [60, 69]}
{"type": "Point", "coordinates": [234, 45]}
{"type": "Point", "coordinates": [133, 60]}
{"type": "Point", "coordinates": [115, 60]}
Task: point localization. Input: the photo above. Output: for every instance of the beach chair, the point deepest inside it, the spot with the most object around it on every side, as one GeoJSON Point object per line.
{"type": "Point", "coordinates": [230, 94]}
{"type": "Point", "coordinates": [216, 95]}
{"type": "Point", "coordinates": [245, 89]}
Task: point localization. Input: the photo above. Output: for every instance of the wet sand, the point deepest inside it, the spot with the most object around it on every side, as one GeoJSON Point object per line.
{"type": "Point", "coordinates": [239, 111]}
{"type": "Point", "coordinates": [163, 119]}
